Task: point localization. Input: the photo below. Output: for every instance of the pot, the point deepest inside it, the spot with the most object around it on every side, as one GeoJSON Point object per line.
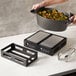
{"type": "Point", "coordinates": [53, 25]}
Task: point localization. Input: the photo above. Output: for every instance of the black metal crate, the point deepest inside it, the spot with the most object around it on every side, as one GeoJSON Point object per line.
{"type": "Point", "coordinates": [19, 54]}
{"type": "Point", "coordinates": [50, 44]}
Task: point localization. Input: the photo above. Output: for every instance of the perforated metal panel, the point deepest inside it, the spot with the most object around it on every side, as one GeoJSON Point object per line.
{"type": "Point", "coordinates": [51, 41]}
{"type": "Point", "coordinates": [39, 36]}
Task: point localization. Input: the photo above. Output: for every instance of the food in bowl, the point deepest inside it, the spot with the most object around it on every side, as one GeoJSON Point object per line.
{"type": "Point", "coordinates": [52, 14]}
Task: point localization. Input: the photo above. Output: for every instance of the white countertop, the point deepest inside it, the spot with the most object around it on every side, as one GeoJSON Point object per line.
{"type": "Point", "coordinates": [45, 65]}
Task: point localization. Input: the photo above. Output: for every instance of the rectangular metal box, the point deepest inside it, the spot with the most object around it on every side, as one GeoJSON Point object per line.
{"type": "Point", "coordinates": [45, 42]}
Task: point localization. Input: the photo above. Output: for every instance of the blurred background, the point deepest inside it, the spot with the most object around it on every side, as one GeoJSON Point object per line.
{"type": "Point", "coordinates": [15, 16]}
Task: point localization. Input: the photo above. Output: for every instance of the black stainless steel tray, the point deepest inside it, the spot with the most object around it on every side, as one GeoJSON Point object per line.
{"type": "Point", "coordinates": [45, 42]}
{"type": "Point", "coordinates": [19, 54]}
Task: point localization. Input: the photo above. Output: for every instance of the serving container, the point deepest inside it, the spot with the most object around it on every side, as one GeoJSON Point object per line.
{"type": "Point", "coordinates": [50, 24]}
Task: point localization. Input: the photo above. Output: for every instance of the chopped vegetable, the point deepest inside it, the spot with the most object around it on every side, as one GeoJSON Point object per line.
{"type": "Point", "coordinates": [52, 14]}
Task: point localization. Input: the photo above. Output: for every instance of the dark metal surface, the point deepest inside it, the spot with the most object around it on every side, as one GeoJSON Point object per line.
{"type": "Point", "coordinates": [52, 41]}
{"type": "Point", "coordinates": [36, 38]}
{"type": "Point", "coordinates": [66, 73]}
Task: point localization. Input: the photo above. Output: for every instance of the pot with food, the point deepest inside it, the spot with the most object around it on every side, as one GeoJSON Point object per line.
{"type": "Point", "coordinates": [52, 19]}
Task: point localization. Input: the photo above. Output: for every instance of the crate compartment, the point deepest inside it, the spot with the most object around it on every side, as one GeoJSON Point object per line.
{"type": "Point", "coordinates": [51, 41]}
{"type": "Point", "coordinates": [38, 36]}
{"type": "Point", "coordinates": [19, 54]}
{"type": "Point", "coordinates": [52, 44]}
